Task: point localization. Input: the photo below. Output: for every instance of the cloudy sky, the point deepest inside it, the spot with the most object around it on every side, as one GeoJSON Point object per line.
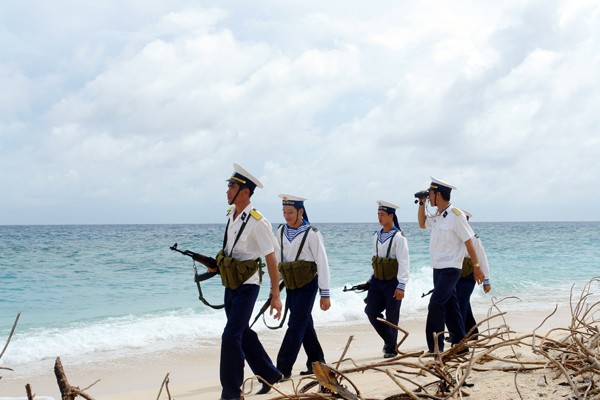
{"type": "Point", "coordinates": [133, 111]}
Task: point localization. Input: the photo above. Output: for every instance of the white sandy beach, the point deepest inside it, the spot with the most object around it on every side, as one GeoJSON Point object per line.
{"type": "Point", "coordinates": [193, 374]}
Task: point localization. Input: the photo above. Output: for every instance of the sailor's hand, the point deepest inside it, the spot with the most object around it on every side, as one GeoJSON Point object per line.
{"type": "Point", "coordinates": [275, 305]}
{"type": "Point", "coordinates": [487, 288]}
{"type": "Point", "coordinates": [211, 270]}
{"type": "Point", "coordinates": [478, 275]}
{"type": "Point", "coordinates": [325, 303]}
{"type": "Point", "coordinates": [398, 294]}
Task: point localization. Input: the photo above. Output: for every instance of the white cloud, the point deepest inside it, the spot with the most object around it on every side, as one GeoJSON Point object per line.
{"type": "Point", "coordinates": [116, 121]}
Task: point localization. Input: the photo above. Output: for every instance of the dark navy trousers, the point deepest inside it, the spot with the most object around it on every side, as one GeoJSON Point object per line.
{"type": "Point", "coordinates": [381, 298]}
{"type": "Point", "coordinates": [464, 289]}
{"type": "Point", "coordinates": [239, 343]}
{"type": "Point", "coordinates": [301, 330]}
{"type": "Point", "coordinates": [444, 309]}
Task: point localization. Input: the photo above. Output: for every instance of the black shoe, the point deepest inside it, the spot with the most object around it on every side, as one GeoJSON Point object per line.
{"type": "Point", "coordinates": [307, 372]}
{"type": "Point", "coordinates": [264, 389]}
{"type": "Point", "coordinates": [267, 388]}
{"type": "Point", "coordinates": [389, 350]}
{"type": "Point", "coordinates": [390, 354]}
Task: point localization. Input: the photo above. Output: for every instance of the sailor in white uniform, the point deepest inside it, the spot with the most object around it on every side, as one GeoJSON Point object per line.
{"type": "Point", "coordinates": [466, 283]}
{"type": "Point", "coordinates": [390, 264]}
{"type": "Point", "coordinates": [450, 235]}
{"type": "Point", "coordinates": [247, 241]}
{"type": "Point", "coordinates": [305, 270]}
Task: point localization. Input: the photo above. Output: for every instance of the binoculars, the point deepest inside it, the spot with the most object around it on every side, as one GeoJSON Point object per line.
{"type": "Point", "coordinates": [423, 194]}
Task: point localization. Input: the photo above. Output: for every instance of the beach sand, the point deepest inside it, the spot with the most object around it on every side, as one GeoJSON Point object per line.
{"type": "Point", "coordinates": [194, 373]}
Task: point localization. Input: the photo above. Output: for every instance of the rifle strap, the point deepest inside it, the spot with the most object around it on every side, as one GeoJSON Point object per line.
{"type": "Point", "coordinates": [237, 237]}
{"type": "Point", "coordinates": [264, 308]}
{"type": "Point", "coordinates": [285, 312]}
{"type": "Point", "coordinates": [204, 301]}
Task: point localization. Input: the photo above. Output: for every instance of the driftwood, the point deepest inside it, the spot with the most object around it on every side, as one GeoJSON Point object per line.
{"type": "Point", "coordinates": [12, 331]}
{"type": "Point", "coordinates": [30, 395]}
{"type": "Point", "coordinates": [570, 355]}
{"type": "Point", "coordinates": [67, 391]}
{"type": "Point", "coordinates": [328, 378]}
{"type": "Point", "coordinates": [165, 385]}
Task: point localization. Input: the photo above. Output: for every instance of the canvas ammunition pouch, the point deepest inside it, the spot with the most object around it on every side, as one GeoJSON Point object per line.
{"type": "Point", "coordinates": [297, 273]}
{"type": "Point", "coordinates": [467, 267]}
{"type": "Point", "coordinates": [235, 272]}
{"type": "Point", "coordinates": [385, 269]}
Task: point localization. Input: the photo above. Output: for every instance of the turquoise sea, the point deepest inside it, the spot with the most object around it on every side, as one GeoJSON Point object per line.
{"type": "Point", "coordinates": [102, 291]}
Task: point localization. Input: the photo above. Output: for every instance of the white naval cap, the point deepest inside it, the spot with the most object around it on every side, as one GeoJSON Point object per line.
{"type": "Point", "coordinates": [387, 206]}
{"type": "Point", "coordinates": [243, 177]}
{"type": "Point", "coordinates": [291, 200]}
{"type": "Point", "coordinates": [294, 201]}
{"type": "Point", "coordinates": [437, 184]}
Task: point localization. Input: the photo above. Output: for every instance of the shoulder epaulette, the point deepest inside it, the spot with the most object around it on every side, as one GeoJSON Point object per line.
{"type": "Point", "coordinates": [456, 211]}
{"type": "Point", "coordinates": [255, 214]}
{"type": "Point", "coordinates": [229, 210]}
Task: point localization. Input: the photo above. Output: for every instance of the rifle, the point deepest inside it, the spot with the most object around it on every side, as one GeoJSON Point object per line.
{"type": "Point", "coordinates": [266, 305]}
{"type": "Point", "coordinates": [427, 294]}
{"type": "Point", "coordinates": [208, 262]}
{"type": "Point", "coordinates": [361, 287]}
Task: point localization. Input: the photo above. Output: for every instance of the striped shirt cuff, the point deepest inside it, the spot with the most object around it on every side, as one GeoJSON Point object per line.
{"type": "Point", "coordinates": [324, 292]}
{"type": "Point", "coordinates": [401, 286]}
{"type": "Point", "coordinates": [486, 282]}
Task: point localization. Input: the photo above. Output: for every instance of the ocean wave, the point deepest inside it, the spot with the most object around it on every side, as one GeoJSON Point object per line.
{"type": "Point", "coordinates": [134, 334]}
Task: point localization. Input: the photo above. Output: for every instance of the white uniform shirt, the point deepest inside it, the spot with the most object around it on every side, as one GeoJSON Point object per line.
{"type": "Point", "coordinates": [449, 232]}
{"type": "Point", "coordinates": [313, 250]}
{"type": "Point", "coordinates": [257, 239]}
{"type": "Point", "coordinates": [482, 258]}
{"type": "Point", "coordinates": [399, 251]}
